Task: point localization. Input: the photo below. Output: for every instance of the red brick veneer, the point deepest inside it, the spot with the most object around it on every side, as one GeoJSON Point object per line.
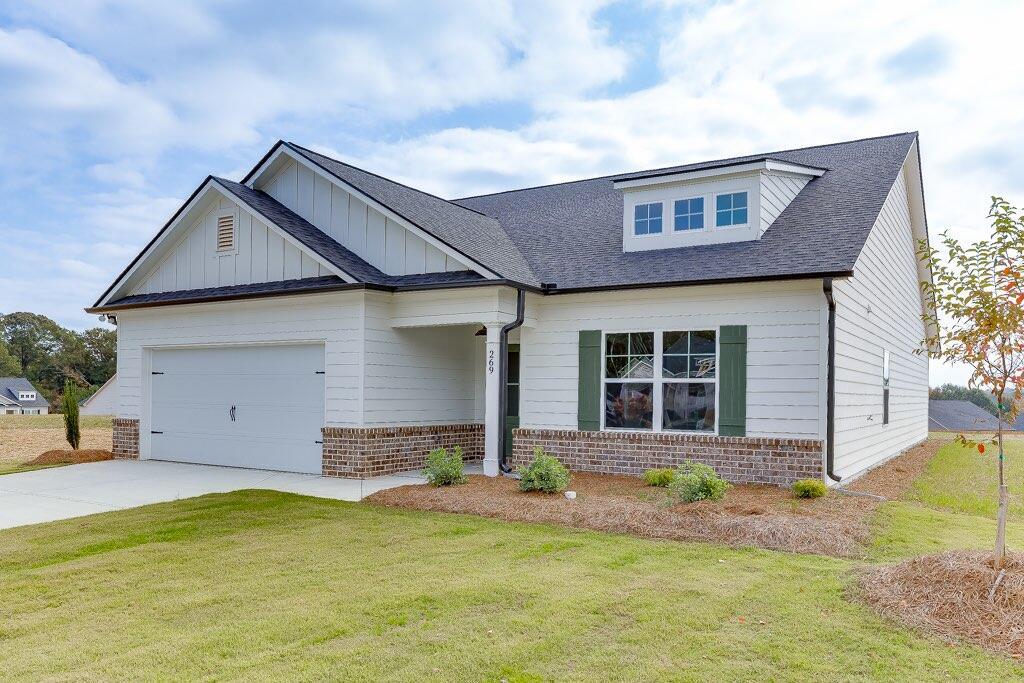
{"type": "Point", "coordinates": [363, 452]}
{"type": "Point", "coordinates": [739, 459]}
{"type": "Point", "coordinates": [126, 438]}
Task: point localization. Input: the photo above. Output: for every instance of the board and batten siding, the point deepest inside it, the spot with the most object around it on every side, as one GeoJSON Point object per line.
{"type": "Point", "coordinates": [777, 191]}
{"type": "Point", "coordinates": [879, 309]}
{"type": "Point", "coordinates": [378, 240]}
{"type": "Point", "coordinates": [417, 375]}
{"type": "Point", "coordinates": [785, 352]}
{"type": "Point", "coordinates": [261, 255]}
{"type": "Point", "coordinates": [331, 319]}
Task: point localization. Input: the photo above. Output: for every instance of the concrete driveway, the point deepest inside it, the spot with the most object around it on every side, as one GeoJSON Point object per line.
{"type": "Point", "coordinates": [76, 490]}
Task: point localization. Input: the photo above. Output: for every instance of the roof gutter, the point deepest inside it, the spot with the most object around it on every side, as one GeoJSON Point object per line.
{"type": "Point", "coordinates": [830, 401]}
{"type": "Point", "coordinates": [503, 466]}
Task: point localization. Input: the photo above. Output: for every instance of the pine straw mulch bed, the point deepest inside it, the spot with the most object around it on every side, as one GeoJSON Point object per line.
{"type": "Point", "coordinates": [70, 457]}
{"type": "Point", "coordinates": [750, 515]}
{"type": "Point", "coordinates": [947, 594]}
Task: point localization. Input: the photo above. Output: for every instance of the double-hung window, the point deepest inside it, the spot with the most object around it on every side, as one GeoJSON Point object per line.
{"type": "Point", "coordinates": [730, 209]}
{"type": "Point", "coordinates": [647, 219]}
{"type": "Point", "coordinates": [689, 214]}
{"type": "Point", "coordinates": [661, 381]}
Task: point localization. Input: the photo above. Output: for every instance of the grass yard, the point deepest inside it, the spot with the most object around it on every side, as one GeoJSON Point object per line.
{"type": "Point", "coordinates": [963, 480]}
{"type": "Point", "coordinates": [257, 584]}
{"type": "Point", "coordinates": [23, 437]}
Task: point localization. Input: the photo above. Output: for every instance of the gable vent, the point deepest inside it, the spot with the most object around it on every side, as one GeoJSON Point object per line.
{"type": "Point", "coordinates": [226, 233]}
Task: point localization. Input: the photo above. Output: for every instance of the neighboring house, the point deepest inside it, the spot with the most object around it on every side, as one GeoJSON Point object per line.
{"type": "Point", "coordinates": [19, 397]}
{"type": "Point", "coordinates": [759, 313]}
{"type": "Point", "coordinates": [103, 402]}
{"type": "Point", "coordinates": [959, 416]}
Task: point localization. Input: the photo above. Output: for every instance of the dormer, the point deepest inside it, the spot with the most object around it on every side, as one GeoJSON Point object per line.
{"type": "Point", "coordinates": [26, 395]}
{"type": "Point", "coordinates": [711, 205]}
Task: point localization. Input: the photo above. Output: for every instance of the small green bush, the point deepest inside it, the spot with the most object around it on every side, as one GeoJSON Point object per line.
{"type": "Point", "coordinates": [545, 474]}
{"type": "Point", "coordinates": [809, 488]}
{"type": "Point", "coordinates": [695, 481]}
{"type": "Point", "coordinates": [444, 468]}
{"type": "Point", "coordinates": [69, 404]}
{"type": "Point", "coordinates": [659, 477]}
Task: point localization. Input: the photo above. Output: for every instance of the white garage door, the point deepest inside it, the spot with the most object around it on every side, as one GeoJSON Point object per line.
{"type": "Point", "coordinates": [251, 406]}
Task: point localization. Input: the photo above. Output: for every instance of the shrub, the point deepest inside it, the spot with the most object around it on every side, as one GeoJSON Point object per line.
{"type": "Point", "coordinates": [695, 481]}
{"type": "Point", "coordinates": [809, 488]}
{"type": "Point", "coordinates": [69, 405]}
{"type": "Point", "coordinates": [545, 474]}
{"type": "Point", "coordinates": [659, 477]}
{"type": "Point", "coordinates": [444, 468]}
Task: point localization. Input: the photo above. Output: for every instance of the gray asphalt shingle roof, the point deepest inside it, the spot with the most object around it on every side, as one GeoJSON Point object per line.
{"type": "Point", "coordinates": [10, 386]}
{"type": "Point", "coordinates": [571, 233]}
{"type": "Point", "coordinates": [479, 237]}
{"type": "Point", "coordinates": [959, 416]}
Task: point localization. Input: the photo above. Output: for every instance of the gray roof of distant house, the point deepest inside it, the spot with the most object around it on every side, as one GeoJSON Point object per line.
{"type": "Point", "coordinates": [959, 416]}
{"type": "Point", "coordinates": [10, 386]}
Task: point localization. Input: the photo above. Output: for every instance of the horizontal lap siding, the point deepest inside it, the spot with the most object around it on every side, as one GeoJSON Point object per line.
{"type": "Point", "coordinates": [417, 376]}
{"type": "Point", "coordinates": [333, 319]}
{"type": "Point", "coordinates": [886, 280]}
{"type": "Point", "coordinates": [784, 350]}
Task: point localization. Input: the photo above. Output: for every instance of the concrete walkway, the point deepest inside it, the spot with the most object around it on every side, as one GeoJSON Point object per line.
{"type": "Point", "coordinates": [76, 490]}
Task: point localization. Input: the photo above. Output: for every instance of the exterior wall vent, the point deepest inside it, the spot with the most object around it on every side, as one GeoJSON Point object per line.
{"type": "Point", "coordinates": [226, 233]}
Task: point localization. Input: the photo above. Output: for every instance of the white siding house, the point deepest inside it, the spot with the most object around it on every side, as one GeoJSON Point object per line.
{"type": "Point", "coordinates": [317, 317]}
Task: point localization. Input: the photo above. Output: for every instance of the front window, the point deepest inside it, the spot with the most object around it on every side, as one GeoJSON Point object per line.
{"type": "Point", "coordinates": [731, 209]}
{"type": "Point", "coordinates": [662, 381]}
{"type": "Point", "coordinates": [647, 219]}
{"type": "Point", "coordinates": [689, 214]}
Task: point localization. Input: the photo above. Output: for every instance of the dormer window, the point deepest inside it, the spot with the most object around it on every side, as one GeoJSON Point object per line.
{"type": "Point", "coordinates": [647, 219]}
{"type": "Point", "coordinates": [26, 395]}
{"type": "Point", "coordinates": [731, 209]}
{"type": "Point", "coordinates": [689, 214]}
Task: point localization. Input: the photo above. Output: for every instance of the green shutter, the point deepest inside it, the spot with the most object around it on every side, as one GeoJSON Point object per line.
{"type": "Point", "coordinates": [732, 380]}
{"type": "Point", "coordinates": [589, 400]}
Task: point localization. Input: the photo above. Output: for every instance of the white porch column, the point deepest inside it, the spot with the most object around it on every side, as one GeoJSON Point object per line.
{"type": "Point", "coordinates": [492, 394]}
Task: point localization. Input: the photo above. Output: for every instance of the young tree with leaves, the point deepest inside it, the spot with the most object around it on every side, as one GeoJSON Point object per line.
{"type": "Point", "coordinates": [69, 405]}
{"type": "Point", "coordinates": [979, 321]}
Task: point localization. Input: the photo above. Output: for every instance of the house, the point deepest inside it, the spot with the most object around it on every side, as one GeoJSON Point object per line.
{"type": "Point", "coordinates": [759, 313]}
{"type": "Point", "coordinates": [103, 402]}
{"type": "Point", "coordinates": [19, 397]}
{"type": "Point", "coordinates": [959, 416]}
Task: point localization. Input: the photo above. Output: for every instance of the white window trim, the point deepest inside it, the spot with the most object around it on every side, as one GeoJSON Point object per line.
{"type": "Point", "coordinates": [639, 236]}
{"type": "Point", "coordinates": [706, 228]}
{"type": "Point", "coordinates": [658, 380]}
{"type": "Point", "coordinates": [731, 226]}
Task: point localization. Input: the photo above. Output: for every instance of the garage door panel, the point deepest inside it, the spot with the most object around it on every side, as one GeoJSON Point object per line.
{"type": "Point", "coordinates": [278, 397]}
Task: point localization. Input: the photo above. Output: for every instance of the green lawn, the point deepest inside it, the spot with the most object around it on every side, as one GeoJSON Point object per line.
{"type": "Point", "coordinates": [274, 586]}
{"type": "Point", "coordinates": [964, 480]}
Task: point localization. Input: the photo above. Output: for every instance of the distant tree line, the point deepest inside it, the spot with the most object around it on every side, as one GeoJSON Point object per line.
{"type": "Point", "coordinates": [33, 346]}
{"type": "Point", "coordinates": [952, 392]}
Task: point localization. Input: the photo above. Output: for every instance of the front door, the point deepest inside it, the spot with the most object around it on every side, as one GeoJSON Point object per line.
{"type": "Point", "coordinates": [511, 397]}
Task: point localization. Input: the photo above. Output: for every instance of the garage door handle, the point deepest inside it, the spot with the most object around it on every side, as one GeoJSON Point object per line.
{"type": "Point", "coordinates": [232, 413]}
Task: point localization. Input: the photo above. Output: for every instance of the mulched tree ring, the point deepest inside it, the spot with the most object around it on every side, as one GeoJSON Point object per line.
{"type": "Point", "coordinates": [61, 456]}
{"type": "Point", "coordinates": [948, 595]}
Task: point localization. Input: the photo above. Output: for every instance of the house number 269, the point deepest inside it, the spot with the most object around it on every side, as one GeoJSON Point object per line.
{"type": "Point", "coordinates": [490, 362]}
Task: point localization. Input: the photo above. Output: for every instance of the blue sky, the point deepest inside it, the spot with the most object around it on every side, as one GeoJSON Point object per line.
{"type": "Point", "coordinates": [114, 111]}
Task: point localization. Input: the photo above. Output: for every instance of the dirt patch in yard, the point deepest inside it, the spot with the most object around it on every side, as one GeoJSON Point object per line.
{"type": "Point", "coordinates": [947, 594]}
{"type": "Point", "coordinates": [21, 445]}
{"type": "Point", "coordinates": [762, 516]}
{"type": "Point", "coordinates": [70, 457]}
